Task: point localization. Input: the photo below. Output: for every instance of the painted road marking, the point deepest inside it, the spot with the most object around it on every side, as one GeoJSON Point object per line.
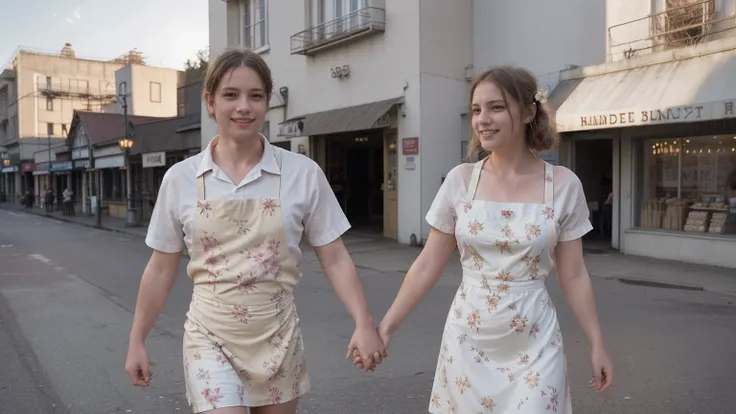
{"type": "Point", "coordinates": [40, 258]}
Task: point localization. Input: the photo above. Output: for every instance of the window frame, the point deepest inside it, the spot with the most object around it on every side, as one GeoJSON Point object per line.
{"type": "Point", "coordinates": [254, 33]}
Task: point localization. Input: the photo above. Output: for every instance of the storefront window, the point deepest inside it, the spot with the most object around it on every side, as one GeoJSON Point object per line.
{"type": "Point", "coordinates": [687, 184]}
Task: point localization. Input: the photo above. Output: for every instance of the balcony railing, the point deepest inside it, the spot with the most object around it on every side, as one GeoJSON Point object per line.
{"type": "Point", "coordinates": [82, 91]}
{"type": "Point", "coordinates": [360, 23]}
{"type": "Point", "coordinates": [684, 23]}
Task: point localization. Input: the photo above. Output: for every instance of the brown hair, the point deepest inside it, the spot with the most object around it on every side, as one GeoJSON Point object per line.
{"type": "Point", "coordinates": [236, 58]}
{"type": "Point", "coordinates": [520, 85]}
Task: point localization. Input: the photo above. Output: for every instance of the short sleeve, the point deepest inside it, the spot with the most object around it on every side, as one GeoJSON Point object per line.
{"type": "Point", "coordinates": [325, 221]}
{"type": "Point", "coordinates": [165, 232]}
{"type": "Point", "coordinates": [441, 214]}
{"type": "Point", "coordinates": [575, 219]}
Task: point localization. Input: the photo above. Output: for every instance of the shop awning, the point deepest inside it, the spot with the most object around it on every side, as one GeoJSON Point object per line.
{"type": "Point", "coordinates": [701, 88]}
{"type": "Point", "coordinates": [352, 118]}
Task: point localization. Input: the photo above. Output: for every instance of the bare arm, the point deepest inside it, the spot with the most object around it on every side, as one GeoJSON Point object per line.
{"type": "Point", "coordinates": [156, 283]}
{"type": "Point", "coordinates": [423, 274]}
{"type": "Point", "coordinates": [575, 283]}
{"type": "Point", "coordinates": [340, 270]}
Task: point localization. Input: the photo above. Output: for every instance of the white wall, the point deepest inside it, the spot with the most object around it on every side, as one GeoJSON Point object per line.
{"type": "Point", "coordinates": [224, 28]}
{"type": "Point", "coordinates": [540, 35]}
{"type": "Point", "coordinates": [410, 181]}
{"type": "Point", "coordinates": [144, 100]}
{"type": "Point", "coordinates": [629, 35]}
{"type": "Point", "coordinates": [379, 64]}
{"type": "Point", "coordinates": [444, 55]}
{"type": "Point", "coordinates": [635, 33]}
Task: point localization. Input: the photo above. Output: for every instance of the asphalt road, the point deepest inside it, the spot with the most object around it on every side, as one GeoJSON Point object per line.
{"type": "Point", "coordinates": [68, 293]}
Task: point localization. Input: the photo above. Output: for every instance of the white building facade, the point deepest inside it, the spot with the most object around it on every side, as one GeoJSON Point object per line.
{"type": "Point", "coordinates": [371, 90]}
{"type": "Point", "coordinates": [658, 118]}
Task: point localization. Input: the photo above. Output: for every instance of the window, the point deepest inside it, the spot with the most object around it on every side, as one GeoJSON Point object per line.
{"type": "Point", "coordinates": [64, 131]}
{"type": "Point", "coordinates": [48, 82]}
{"type": "Point", "coordinates": [155, 92]}
{"type": "Point", "coordinates": [50, 130]}
{"type": "Point", "coordinates": [49, 104]}
{"type": "Point", "coordinates": [349, 14]}
{"type": "Point", "coordinates": [255, 24]}
{"type": "Point", "coordinates": [684, 22]}
{"type": "Point", "coordinates": [688, 184]}
{"type": "Point", "coordinates": [318, 12]}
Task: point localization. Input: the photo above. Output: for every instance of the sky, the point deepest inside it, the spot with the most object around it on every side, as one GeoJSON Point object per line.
{"type": "Point", "coordinates": [167, 32]}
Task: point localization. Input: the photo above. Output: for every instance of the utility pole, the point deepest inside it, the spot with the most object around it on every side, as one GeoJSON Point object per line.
{"type": "Point", "coordinates": [49, 184]}
{"type": "Point", "coordinates": [126, 144]}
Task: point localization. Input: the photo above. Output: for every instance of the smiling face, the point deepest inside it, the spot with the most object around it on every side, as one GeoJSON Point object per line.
{"type": "Point", "coordinates": [499, 123]}
{"type": "Point", "coordinates": [239, 103]}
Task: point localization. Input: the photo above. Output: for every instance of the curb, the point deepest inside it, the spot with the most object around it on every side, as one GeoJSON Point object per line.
{"type": "Point", "coordinates": [663, 285]}
{"type": "Point", "coordinates": [66, 220]}
{"type": "Point", "coordinates": [184, 253]}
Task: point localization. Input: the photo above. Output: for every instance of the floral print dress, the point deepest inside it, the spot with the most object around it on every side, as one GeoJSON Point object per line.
{"type": "Point", "coordinates": [502, 349]}
{"type": "Point", "coordinates": [242, 340]}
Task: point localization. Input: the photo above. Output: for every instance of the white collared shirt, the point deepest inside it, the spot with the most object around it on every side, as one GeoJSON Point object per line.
{"type": "Point", "coordinates": [309, 206]}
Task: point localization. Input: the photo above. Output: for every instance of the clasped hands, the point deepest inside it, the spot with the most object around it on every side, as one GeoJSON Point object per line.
{"type": "Point", "coordinates": [368, 346]}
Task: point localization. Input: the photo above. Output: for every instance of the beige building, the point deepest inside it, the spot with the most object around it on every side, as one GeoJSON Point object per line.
{"type": "Point", "coordinates": [39, 93]}
{"type": "Point", "coordinates": [149, 91]}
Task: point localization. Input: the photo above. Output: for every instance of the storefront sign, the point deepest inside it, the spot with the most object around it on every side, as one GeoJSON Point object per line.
{"type": "Point", "coordinates": [10, 169]}
{"type": "Point", "coordinates": [291, 129]}
{"type": "Point", "coordinates": [28, 167]}
{"type": "Point", "coordinates": [81, 164]}
{"type": "Point", "coordinates": [410, 146]}
{"type": "Point", "coordinates": [154, 159]}
{"type": "Point", "coordinates": [409, 163]}
{"type": "Point", "coordinates": [115, 161]}
{"type": "Point", "coordinates": [61, 166]}
{"type": "Point", "coordinates": [638, 117]}
{"type": "Point", "coordinates": [383, 121]}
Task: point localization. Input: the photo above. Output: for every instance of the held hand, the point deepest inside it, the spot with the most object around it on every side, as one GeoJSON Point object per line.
{"type": "Point", "coordinates": [385, 334]}
{"type": "Point", "coordinates": [366, 346]}
{"type": "Point", "coordinates": [137, 366]}
{"type": "Point", "coordinates": [602, 370]}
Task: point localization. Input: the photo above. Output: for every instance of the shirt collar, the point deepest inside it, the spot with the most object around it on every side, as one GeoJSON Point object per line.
{"type": "Point", "coordinates": [268, 160]}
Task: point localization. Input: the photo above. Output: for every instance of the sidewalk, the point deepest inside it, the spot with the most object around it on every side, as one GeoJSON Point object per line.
{"type": "Point", "coordinates": [108, 223]}
{"type": "Point", "coordinates": [386, 256]}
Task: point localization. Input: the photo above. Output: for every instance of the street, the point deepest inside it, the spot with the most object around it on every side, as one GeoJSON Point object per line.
{"type": "Point", "coordinates": [68, 294]}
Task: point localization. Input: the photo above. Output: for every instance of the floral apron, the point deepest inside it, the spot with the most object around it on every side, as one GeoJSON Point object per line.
{"type": "Point", "coordinates": [242, 343]}
{"type": "Point", "coordinates": [502, 349]}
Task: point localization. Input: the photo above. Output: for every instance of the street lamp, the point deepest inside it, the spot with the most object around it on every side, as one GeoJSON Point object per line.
{"type": "Point", "coordinates": [126, 144]}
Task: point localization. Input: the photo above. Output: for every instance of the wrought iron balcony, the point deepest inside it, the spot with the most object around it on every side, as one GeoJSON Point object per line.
{"type": "Point", "coordinates": [684, 23]}
{"type": "Point", "coordinates": [82, 91]}
{"type": "Point", "coordinates": [357, 24]}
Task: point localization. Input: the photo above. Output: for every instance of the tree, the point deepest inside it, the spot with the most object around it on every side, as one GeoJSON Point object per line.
{"type": "Point", "coordinates": [195, 69]}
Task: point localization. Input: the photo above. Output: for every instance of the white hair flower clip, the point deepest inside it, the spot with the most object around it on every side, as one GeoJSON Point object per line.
{"type": "Point", "coordinates": [541, 96]}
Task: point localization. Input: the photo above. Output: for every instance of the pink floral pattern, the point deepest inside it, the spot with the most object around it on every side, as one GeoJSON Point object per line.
{"type": "Point", "coordinates": [243, 278]}
{"type": "Point", "coordinates": [204, 208]}
{"type": "Point", "coordinates": [549, 213]}
{"type": "Point", "coordinates": [269, 206]}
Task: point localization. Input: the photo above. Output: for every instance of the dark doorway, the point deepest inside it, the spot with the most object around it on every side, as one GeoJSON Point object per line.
{"type": "Point", "coordinates": [594, 167]}
{"type": "Point", "coordinates": [355, 171]}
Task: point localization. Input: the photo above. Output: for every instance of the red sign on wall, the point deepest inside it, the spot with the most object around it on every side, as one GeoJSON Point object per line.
{"type": "Point", "coordinates": [410, 146]}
